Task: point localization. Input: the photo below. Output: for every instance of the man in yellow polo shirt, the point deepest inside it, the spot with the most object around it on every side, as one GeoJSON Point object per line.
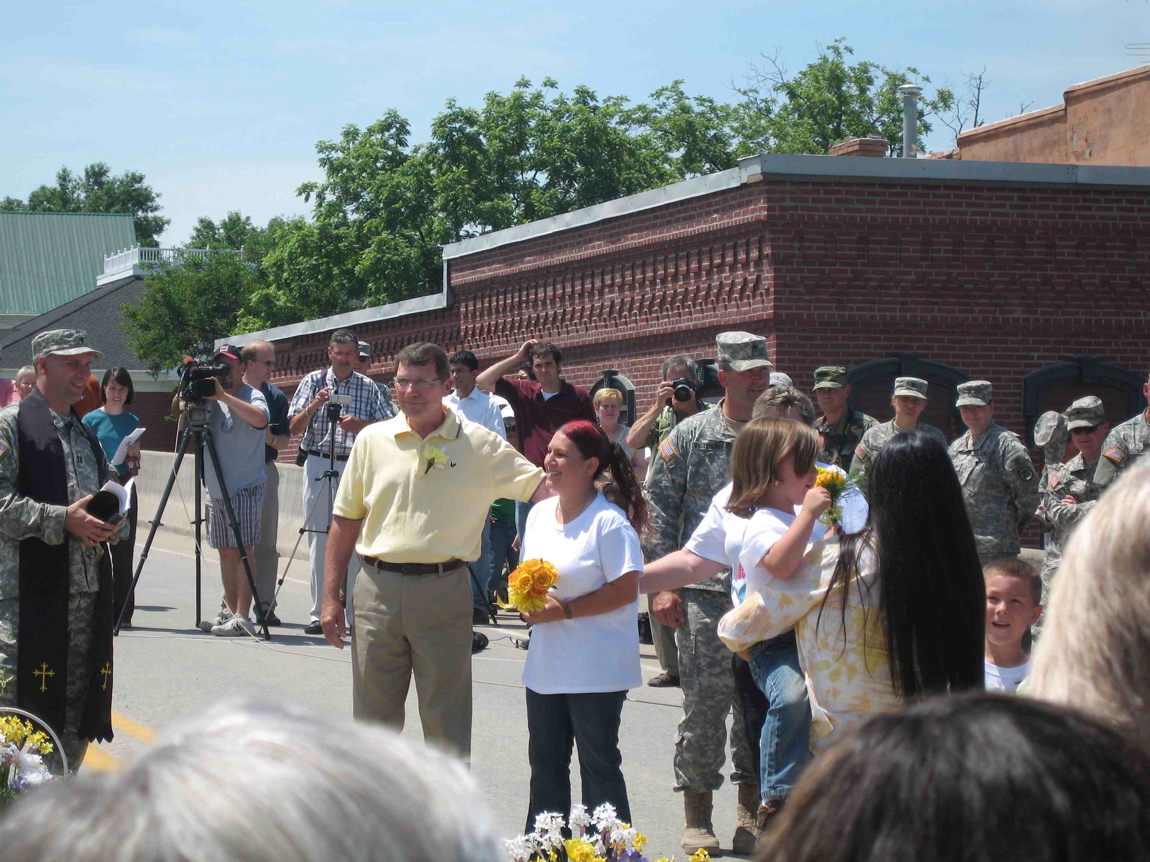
{"type": "Point", "coordinates": [412, 503]}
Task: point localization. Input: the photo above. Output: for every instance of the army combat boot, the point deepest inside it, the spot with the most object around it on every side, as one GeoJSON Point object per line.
{"type": "Point", "coordinates": [746, 827]}
{"type": "Point", "coordinates": [698, 834]}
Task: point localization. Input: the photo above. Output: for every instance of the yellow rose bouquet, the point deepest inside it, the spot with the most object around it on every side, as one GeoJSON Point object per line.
{"type": "Point", "coordinates": [528, 585]}
{"type": "Point", "coordinates": [837, 483]}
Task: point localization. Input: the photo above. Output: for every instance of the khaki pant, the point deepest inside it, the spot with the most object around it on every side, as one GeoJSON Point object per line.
{"type": "Point", "coordinates": [417, 625]}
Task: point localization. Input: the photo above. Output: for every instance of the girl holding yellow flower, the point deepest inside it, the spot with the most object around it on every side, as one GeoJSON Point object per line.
{"type": "Point", "coordinates": [584, 652]}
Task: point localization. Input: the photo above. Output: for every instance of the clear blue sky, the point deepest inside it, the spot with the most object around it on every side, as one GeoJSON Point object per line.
{"type": "Point", "coordinates": [220, 104]}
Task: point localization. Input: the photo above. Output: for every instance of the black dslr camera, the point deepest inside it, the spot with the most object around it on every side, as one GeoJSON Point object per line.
{"type": "Point", "coordinates": [684, 389]}
{"type": "Point", "coordinates": [197, 375]}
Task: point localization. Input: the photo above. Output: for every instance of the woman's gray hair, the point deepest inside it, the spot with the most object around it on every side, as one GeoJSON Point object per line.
{"type": "Point", "coordinates": [258, 782]}
{"type": "Point", "coordinates": [1094, 653]}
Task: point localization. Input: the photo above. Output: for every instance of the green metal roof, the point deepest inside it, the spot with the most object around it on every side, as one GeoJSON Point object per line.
{"type": "Point", "coordinates": [48, 259]}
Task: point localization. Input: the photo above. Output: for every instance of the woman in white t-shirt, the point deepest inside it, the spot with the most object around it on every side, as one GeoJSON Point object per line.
{"type": "Point", "coordinates": [584, 652]}
{"type": "Point", "coordinates": [608, 408]}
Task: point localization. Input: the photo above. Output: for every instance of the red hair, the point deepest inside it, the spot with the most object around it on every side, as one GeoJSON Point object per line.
{"type": "Point", "coordinates": [593, 442]}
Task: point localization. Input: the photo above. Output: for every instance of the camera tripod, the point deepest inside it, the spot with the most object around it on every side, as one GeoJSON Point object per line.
{"type": "Point", "coordinates": [197, 433]}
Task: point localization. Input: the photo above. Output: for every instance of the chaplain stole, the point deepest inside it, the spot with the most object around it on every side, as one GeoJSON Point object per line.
{"type": "Point", "coordinates": [45, 579]}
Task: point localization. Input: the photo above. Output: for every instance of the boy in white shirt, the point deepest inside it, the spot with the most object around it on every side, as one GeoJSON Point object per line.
{"type": "Point", "coordinates": [1013, 604]}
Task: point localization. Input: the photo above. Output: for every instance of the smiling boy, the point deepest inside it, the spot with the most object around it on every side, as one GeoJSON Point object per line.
{"type": "Point", "coordinates": [1013, 604]}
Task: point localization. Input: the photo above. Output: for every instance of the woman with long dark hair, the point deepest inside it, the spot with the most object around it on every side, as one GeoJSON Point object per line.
{"type": "Point", "coordinates": [891, 613]}
{"type": "Point", "coordinates": [584, 652]}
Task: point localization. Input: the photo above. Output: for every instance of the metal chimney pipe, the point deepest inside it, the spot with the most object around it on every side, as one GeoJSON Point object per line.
{"type": "Point", "coordinates": [910, 94]}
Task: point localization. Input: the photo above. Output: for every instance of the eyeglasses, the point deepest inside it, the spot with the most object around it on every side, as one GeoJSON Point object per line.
{"type": "Point", "coordinates": [421, 385]}
{"type": "Point", "coordinates": [1089, 430]}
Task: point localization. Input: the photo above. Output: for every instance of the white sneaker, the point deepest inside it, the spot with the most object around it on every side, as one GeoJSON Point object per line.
{"type": "Point", "coordinates": [236, 627]}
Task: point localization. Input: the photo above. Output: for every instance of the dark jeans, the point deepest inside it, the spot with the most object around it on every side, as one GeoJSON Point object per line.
{"type": "Point", "coordinates": [591, 721]}
{"type": "Point", "coordinates": [122, 553]}
{"type": "Point", "coordinates": [502, 535]}
{"type": "Point", "coordinates": [755, 706]}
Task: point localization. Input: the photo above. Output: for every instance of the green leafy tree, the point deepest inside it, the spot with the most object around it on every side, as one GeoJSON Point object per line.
{"type": "Point", "coordinates": [189, 299]}
{"type": "Point", "coordinates": [235, 230]}
{"type": "Point", "coordinates": [832, 99]}
{"type": "Point", "coordinates": [98, 191]}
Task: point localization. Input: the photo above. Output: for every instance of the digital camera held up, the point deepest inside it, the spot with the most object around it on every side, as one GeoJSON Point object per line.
{"type": "Point", "coordinates": [684, 389]}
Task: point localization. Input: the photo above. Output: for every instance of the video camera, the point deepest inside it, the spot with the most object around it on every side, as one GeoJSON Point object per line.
{"type": "Point", "coordinates": [198, 372]}
{"type": "Point", "coordinates": [336, 403]}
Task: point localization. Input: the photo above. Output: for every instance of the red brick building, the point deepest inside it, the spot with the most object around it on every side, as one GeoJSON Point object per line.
{"type": "Point", "coordinates": [1031, 276]}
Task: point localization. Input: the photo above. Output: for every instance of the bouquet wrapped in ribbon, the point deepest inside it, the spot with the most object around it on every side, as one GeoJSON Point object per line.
{"type": "Point", "coordinates": [528, 585]}
{"type": "Point", "coordinates": [23, 747]}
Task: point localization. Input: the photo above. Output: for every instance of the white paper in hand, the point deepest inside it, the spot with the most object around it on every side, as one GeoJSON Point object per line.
{"type": "Point", "coordinates": [122, 449]}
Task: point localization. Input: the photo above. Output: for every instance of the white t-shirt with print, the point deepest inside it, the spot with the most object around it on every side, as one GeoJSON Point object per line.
{"type": "Point", "coordinates": [585, 654]}
{"type": "Point", "coordinates": [1005, 679]}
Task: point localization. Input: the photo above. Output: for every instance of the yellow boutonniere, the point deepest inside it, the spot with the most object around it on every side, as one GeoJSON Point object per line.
{"type": "Point", "coordinates": [436, 457]}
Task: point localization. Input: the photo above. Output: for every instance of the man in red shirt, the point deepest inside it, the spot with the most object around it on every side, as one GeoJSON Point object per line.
{"type": "Point", "coordinates": [542, 406]}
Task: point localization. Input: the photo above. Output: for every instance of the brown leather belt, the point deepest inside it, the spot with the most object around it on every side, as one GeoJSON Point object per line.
{"type": "Point", "coordinates": [414, 569]}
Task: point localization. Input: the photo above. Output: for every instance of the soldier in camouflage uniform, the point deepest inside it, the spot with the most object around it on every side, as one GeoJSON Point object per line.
{"type": "Point", "coordinates": [688, 469]}
{"type": "Point", "coordinates": [908, 400]}
{"type": "Point", "coordinates": [840, 427]}
{"type": "Point", "coordinates": [63, 364]}
{"type": "Point", "coordinates": [1069, 492]}
{"type": "Point", "coordinates": [998, 479]}
{"type": "Point", "coordinates": [1051, 436]}
{"type": "Point", "coordinates": [1124, 445]}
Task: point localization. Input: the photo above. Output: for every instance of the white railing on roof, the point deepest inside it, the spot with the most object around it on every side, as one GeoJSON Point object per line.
{"type": "Point", "coordinates": [130, 258]}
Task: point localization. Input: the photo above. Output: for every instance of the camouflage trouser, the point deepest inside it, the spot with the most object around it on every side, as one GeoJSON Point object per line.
{"type": "Point", "coordinates": [81, 616]}
{"type": "Point", "coordinates": [708, 696]}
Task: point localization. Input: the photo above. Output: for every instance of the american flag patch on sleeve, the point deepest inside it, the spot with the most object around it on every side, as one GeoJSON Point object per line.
{"type": "Point", "coordinates": [1114, 454]}
{"type": "Point", "coordinates": [667, 449]}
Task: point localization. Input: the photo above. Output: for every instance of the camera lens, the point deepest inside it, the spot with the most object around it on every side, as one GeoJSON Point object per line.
{"type": "Point", "coordinates": [684, 389]}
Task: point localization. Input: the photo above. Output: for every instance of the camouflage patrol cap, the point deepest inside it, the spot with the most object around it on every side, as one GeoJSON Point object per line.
{"type": "Point", "coordinates": [742, 351]}
{"type": "Point", "coordinates": [62, 342]}
{"type": "Point", "coordinates": [1050, 430]}
{"type": "Point", "coordinates": [915, 387]}
{"type": "Point", "coordinates": [1085, 413]}
{"type": "Point", "coordinates": [830, 377]}
{"type": "Point", "coordinates": [364, 350]}
{"type": "Point", "coordinates": [973, 393]}
{"type": "Point", "coordinates": [780, 379]}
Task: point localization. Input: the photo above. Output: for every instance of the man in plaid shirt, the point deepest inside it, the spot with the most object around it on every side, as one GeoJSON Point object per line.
{"type": "Point", "coordinates": [362, 403]}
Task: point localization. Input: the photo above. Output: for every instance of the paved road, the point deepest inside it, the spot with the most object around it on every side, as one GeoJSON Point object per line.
{"type": "Point", "coordinates": [168, 671]}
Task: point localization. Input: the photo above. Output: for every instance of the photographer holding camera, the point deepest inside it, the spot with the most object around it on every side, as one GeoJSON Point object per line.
{"type": "Point", "coordinates": [675, 400]}
{"type": "Point", "coordinates": [238, 417]}
{"type": "Point", "coordinates": [329, 408]}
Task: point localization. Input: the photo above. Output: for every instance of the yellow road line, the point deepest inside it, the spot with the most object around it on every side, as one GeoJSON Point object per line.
{"type": "Point", "coordinates": [136, 731]}
{"type": "Point", "coordinates": [100, 760]}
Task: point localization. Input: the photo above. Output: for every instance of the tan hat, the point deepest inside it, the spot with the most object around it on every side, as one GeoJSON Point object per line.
{"type": "Point", "coordinates": [1085, 413]}
{"type": "Point", "coordinates": [63, 342]}
{"type": "Point", "coordinates": [973, 393]}
{"type": "Point", "coordinates": [915, 387]}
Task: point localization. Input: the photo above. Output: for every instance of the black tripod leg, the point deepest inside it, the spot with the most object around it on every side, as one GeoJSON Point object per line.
{"type": "Point", "coordinates": [155, 526]}
{"type": "Point", "coordinates": [486, 599]}
{"type": "Point", "coordinates": [235, 525]}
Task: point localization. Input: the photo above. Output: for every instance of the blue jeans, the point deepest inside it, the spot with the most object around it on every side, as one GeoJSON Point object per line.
{"type": "Point", "coordinates": [785, 742]}
{"type": "Point", "coordinates": [481, 568]}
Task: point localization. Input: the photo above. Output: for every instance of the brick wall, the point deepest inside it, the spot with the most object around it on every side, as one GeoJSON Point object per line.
{"type": "Point", "coordinates": [994, 280]}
